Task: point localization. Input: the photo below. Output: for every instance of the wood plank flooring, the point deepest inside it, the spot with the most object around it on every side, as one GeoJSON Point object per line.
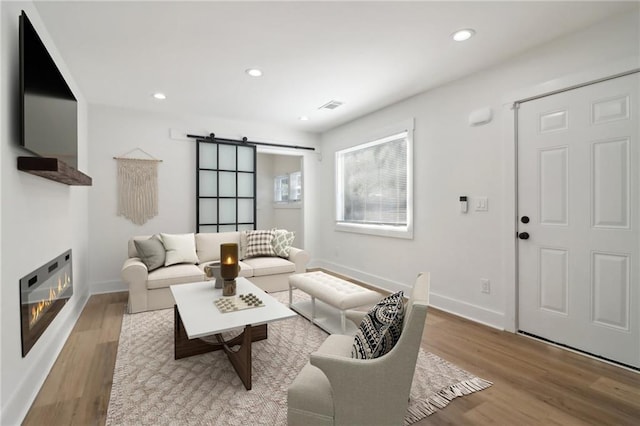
{"type": "Point", "coordinates": [78, 387]}
{"type": "Point", "coordinates": [534, 383]}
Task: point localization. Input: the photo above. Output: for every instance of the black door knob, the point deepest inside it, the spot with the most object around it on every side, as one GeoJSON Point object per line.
{"type": "Point", "coordinates": [524, 219]}
{"type": "Point", "coordinates": [523, 235]}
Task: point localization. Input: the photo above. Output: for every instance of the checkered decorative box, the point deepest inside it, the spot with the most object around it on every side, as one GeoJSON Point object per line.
{"type": "Point", "coordinates": [238, 303]}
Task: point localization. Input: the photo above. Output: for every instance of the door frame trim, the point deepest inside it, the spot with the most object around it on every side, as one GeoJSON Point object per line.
{"type": "Point", "coordinates": [510, 106]}
{"type": "Point", "coordinates": [577, 86]}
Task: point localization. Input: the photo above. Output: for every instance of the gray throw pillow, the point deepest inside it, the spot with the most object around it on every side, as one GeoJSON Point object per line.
{"type": "Point", "coordinates": [151, 252]}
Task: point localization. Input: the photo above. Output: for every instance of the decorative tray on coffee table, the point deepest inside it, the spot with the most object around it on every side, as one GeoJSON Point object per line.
{"type": "Point", "coordinates": [238, 303]}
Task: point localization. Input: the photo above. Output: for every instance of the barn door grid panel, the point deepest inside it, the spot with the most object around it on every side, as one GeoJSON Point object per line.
{"type": "Point", "coordinates": [225, 186]}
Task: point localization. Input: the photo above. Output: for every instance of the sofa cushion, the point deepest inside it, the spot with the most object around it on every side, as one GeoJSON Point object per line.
{"type": "Point", "coordinates": [269, 265]}
{"type": "Point", "coordinates": [282, 241]}
{"type": "Point", "coordinates": [151, 252]}
{"type": "Point", "coordinates": [259, 243]}
{"type": "Point", "coordinates": [181, 248]}
{"type": "Point", "coordinates": [245, 269]}
{"type": "Point", "coordinates": [176, 274]}
{"type": "Point", "coordinates": [208, 244]}
{"type": "Point", "coordinates": [380, 329]}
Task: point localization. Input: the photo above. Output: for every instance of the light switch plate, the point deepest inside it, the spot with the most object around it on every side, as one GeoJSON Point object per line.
{"type": "Point", "coordinates": [482, 204]}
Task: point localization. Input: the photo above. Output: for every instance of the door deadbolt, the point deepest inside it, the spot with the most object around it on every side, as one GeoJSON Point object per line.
{"type": "Point", "coordinates": [524, 219]}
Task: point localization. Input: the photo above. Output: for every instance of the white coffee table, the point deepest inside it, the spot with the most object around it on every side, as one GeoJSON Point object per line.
{"type": "Point", "coordinates": [196, 316]}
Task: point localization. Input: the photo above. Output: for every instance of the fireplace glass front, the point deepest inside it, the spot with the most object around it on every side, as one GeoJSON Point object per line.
{"type": "Point", "coordinates": [43, 293]}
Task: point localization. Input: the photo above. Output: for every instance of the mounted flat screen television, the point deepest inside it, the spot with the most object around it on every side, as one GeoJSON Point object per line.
{"type": "Point", "coordinates": [49, 110]}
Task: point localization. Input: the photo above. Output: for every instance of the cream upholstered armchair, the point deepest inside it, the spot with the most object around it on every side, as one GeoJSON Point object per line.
{"type": "Point", "coordinates": [336, 389]}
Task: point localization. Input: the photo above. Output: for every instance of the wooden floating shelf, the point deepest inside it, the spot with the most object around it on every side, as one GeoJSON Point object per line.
{"type": "Point", "coordinates": [54, 169]}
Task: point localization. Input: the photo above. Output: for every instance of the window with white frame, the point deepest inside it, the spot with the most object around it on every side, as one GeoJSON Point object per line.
{"type": "Point", "coordinates": [374, 186]}
{"type": "Point", "coordinates": [295, 186]}
{"type": "Point", "coordinates": [288, 188]}
{"type": "Point", "coordinates": [281, 189]}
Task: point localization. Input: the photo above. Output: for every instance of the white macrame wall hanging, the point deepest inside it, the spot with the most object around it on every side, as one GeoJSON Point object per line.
{"type": "Point", "coordinates": [137, 187]}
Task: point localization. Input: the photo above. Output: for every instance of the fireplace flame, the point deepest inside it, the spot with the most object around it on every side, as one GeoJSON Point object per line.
{"type": "Point", "coordinates": [39, 308]}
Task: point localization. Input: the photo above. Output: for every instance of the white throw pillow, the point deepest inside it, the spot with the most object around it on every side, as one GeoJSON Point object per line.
{"type": "Point", "coordinates": [181, 248]}
{"type": "Point", "coordinates": [242, 254]}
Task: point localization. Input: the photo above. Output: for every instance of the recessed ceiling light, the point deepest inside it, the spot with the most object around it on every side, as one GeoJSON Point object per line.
{"type": "Point", "coordinates": [303, 118]}
{"type": "Point", "coordinates": [462, 35]}
{"type": "Point", "coordinates": [160, 96]}
{"type": "Point", "coordinates": [253, 72]}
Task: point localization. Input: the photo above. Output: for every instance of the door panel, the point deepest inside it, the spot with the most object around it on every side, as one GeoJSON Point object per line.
{"type": "Point", "coordinates": [579, 184]}
{"type": "Point", "coordinates": [610, 171]}
{"type": "Point", "coordinates": [553, 280]}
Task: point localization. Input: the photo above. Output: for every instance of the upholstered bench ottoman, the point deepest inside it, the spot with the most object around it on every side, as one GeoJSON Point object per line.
{"type": "Point", "coordinates": [333, 293]}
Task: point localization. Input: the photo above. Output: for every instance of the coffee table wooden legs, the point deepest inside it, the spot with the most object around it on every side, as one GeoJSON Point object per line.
{"type": "Point", "coordinates": [240, 358]}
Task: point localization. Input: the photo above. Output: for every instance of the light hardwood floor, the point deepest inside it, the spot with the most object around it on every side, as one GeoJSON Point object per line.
{"type": "Point", "coordinates": [534, 383]}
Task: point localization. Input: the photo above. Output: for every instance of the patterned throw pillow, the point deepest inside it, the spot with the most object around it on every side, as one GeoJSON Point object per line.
{"type": "Point", "coordinates": [282, 242]}
{"type": "Point", "coordinates": [259, 243]}
{"type": "Point", "coordinates": [380, 329]}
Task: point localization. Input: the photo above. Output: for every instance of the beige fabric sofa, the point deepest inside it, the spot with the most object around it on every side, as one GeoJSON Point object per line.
{"type": "Point", "coordinates": [150, 290]}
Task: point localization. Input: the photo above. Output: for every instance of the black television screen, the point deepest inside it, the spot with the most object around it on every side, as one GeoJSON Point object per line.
{"type": "Point", "coordinates": [49, 111]}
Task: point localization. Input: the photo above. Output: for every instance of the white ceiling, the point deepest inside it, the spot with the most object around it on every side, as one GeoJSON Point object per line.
{"type": "Point", "coordinates": [365, 54]}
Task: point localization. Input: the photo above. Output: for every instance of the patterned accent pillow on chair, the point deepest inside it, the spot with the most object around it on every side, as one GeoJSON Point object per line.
{"type": "Point", "coordinates": [282, 242]}
{"type": "Point", "coordinates": [259, 243]}
{"type": "Point", "coordinates": [380, 329]}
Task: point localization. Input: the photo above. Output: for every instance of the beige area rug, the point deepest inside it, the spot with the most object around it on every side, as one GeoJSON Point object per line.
{"type": "Point", "coordinates": [151, 388]}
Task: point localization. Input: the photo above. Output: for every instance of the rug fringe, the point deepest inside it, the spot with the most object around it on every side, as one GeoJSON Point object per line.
{"type": "Point", "coordinates": [442, 398]}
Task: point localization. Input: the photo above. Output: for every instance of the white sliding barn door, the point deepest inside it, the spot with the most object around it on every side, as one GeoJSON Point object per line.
{"type": "Point", "coordinates": [579, 186]}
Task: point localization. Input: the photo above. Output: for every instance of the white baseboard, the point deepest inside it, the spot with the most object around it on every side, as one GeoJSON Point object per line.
{"type": "Point", "coordinates": [24, 393]}
{"type": "Point", "coordinates": [108, 287]}
{"type": "Point", "coordinates": [466, 310]}
{"type": "Point", "coordinates": [462, 309]}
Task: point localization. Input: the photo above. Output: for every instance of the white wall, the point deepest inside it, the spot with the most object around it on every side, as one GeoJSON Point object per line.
{"type": "Point", "coordinates": [40, 219]}
{"type": "Point", "coordinates": [115, 131]}
{"type": "Point", "coordinates": [453, 159]}
{"type": "Point", "coordinates": [290, 215]}
{"type": "Point", "coordinates": [264, 191]}
{"type": "Point", "coordinates": [274, 215]}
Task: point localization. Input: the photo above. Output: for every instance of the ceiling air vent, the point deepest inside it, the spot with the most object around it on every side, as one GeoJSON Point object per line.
{"type": "Point", "coordinates": [331, 105]}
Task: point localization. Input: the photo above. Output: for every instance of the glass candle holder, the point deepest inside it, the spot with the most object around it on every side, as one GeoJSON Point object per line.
{"type": "Point", "coordinates": [229, 261]}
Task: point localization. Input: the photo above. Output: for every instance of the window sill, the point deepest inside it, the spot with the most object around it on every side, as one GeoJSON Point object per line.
{"type": "Point", "coordinates": [295, 205]}
{"type": "Point", "coordinates": [380, 230]}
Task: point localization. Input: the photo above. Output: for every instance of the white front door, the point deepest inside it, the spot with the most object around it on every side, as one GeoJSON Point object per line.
{"type": "Point", "coordinates": [578, 204]}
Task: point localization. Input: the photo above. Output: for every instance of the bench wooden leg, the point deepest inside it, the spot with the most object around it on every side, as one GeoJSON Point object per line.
{"type": "Point", "coordinates": [290, 294]}
{"type": "Point", "coordinates": [313, 308]}
{"type": "Point", "coordinates": [343, 321]}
